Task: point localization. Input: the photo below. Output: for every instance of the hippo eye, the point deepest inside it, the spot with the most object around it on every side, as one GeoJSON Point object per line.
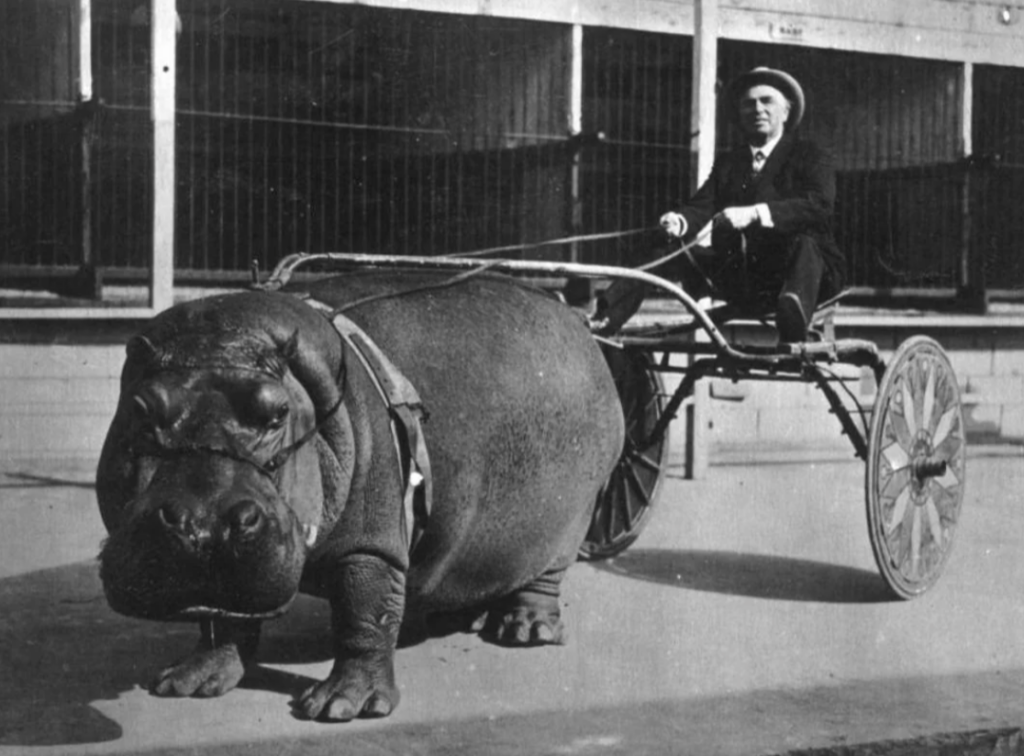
{"type": "Point", "coordinates": [280, 415]}
{"type": "Point", "coordinates": [270, 406]}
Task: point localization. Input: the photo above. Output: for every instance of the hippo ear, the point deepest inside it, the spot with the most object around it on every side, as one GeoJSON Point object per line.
{"type": "Point", "coordinates": [142, 356]}
{"type": "Point", "coordinates": [290, 348]}
{"type": "Point", "coordinates": [142, 351]}
{"type": "Point", "coordinates": [310, 347]}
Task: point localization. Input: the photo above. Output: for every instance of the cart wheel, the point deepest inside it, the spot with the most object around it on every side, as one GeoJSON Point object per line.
{"type": "Point", "coordinates": [916, 467]}
{"type": "Point", "coordinates": [625, 501]}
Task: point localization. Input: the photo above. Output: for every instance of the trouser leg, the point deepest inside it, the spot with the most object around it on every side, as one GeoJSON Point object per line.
{"type": "Point", "coordinates": [787, 276]}
{"type": "Point", "coordinates": [803, 274]}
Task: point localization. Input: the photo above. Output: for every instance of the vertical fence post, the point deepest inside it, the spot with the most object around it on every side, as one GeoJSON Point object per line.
{"type": "Point", "coordinates": [702, 157]}
{"type": "Point", "coordinates": [971, 286]}
{"type": "Point", "coordinates": [703, 98]}
{"type": "Point", "coordinates": [164, 39]}
{"type": "Point", "coordinates": [87, 126]}
{"type": "Point", "coordinates": [85, 50]}
{"type": "Point", "coordinates": [575, 132]}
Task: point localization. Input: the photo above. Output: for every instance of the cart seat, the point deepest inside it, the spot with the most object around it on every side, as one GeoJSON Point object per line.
{"type": "Point", "coordinates": [820, 328]}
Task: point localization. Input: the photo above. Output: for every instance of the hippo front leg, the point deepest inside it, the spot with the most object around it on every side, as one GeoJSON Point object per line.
{"type": "Point", "coordinates": [367, 598]}
{"type": "Point", "coordinates": [226, 648]}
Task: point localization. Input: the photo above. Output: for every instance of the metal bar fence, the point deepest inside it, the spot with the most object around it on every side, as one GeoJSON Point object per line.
{"type": "Point", "coordinates": [314, 127]}
{"type": "Point", "coordinates": [317, 127]}
{"type": "Point", "coordinates": [40, 159]}
{"type": "Point", "coordinates": [636, 119]}
{"type": "Point", "coordinates": [997, 172]}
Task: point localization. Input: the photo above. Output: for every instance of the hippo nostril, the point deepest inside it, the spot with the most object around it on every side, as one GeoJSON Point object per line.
{"type": "Point", "coordinates": [245, 518]}
{"type": "Point", "coordinates": [175, 517]}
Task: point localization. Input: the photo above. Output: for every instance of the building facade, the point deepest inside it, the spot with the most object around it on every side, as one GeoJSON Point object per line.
{"type": "Point", "coordinates": [163, 141]}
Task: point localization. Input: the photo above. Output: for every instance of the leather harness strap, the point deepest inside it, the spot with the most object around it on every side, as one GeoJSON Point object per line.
{"type": "Point", "coordinates": [407, 416]}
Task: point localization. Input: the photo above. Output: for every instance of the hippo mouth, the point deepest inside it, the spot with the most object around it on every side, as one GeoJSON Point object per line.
{"type": "Point", "coordinates": [198, 612]}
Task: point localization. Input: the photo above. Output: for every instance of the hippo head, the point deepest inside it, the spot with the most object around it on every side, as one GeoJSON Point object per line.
{"type": "Point", "coordinates": [210, 482]}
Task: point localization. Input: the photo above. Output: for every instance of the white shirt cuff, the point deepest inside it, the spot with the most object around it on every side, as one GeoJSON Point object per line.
{"type": "Point", "coordinates": [764, 215]}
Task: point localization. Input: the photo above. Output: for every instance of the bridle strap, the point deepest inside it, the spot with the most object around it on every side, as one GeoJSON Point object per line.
{"type": "Point", "coordinates": [268, 469]}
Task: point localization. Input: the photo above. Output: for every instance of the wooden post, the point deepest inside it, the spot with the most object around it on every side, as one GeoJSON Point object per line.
{"type": "Point", "coordinates": [89, 284]}
{"type": "Point", "coordinates": [163, 28]}
{"type": "Point", "coordinates": [703, 100]}
{"type": "Point", "coordinates": [971, 286]}
{"type": "Point", "coordinates": [85, 50]}
{"type": "Point", "coordinates": [576, 131]}
{"type": "Point", "coordinates": [578, 291]}
{"type": "Point", "coordinates": [702, 157]}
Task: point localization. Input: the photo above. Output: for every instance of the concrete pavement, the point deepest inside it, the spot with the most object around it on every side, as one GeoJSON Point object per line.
{"type": "Point", "coordinates": [747, 619]}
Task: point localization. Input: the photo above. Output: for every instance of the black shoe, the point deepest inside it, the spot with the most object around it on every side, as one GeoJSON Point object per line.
{"type": "Point", "coordinates": [790, 321]}
{"type": "Point", "coordinates": [618, 304]}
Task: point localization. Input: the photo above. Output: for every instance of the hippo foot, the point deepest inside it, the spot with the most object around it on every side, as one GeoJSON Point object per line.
{"type": "Point", "coordinates": [526, 618]}
{"type": "Point", "coordinates": [204, 674]}
{"type": "Point", "coordinates": [353, 689]}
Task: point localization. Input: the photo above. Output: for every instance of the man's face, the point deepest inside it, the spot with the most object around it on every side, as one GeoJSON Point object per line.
{"type": "Point", "coordinates": [763, 113]}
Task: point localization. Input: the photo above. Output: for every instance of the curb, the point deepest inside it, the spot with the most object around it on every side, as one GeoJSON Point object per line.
{"type": "Point", "coordinates": [1002, 742]}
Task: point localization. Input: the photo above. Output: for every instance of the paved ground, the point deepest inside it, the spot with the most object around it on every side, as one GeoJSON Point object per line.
{"type": "Point", "coordinates": [748, 619]}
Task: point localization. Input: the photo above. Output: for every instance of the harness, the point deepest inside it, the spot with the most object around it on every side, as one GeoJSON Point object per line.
{"type": "Point", "coordinates": [407, 415]}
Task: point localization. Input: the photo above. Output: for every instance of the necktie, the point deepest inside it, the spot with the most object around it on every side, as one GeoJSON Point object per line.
{"type": "Point", "coordinates": [758, 161]}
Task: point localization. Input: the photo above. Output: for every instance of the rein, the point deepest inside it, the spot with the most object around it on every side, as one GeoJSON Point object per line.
{"type": "Point", "coordinates": [268, 469]}
{"type": "Point", "coordinates": [551, 242]}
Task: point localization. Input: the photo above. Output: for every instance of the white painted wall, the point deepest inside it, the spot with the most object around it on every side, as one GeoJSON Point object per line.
{"type": "Point", "coordinates": [56, 402]}
{"type": "Point", "coordinates": [959, 30]}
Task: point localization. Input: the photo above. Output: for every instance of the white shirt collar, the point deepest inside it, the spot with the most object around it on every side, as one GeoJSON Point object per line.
{"type": "Point", "coordinates": [767, 148]}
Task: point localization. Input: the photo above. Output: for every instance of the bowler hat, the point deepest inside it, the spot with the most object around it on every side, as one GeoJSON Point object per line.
{"type": "Point", "coordinates": [781, 81]}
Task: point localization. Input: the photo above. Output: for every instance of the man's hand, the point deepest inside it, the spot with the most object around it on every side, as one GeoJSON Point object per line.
{"type": "Point", "coordinates": [674, 224]}
{"type": "Point", "coordinates": [737, 218]}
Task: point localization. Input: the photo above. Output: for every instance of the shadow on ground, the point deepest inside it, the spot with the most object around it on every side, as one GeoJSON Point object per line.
{"type": "Point", "coordinates": [754, 575]}
{"type": "Point", "coordinates": [61, 648]}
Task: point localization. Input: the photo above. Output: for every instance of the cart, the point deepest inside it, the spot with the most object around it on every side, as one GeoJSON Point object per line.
{"type": "Point", "coordinates": [911, 436]}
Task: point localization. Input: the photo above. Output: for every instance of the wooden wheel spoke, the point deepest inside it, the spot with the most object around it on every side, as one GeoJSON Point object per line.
{"type": "Point", "coordinates": [638, 486]}
{"type": "Point", "coordinates": [619, 501]}
{"type": "Point", "coordinates": [646, 462]}
{"type": "Point", "coordinates": [929, 397]}
{"type": "Point", "coordinates": [896, 456]}
{"type": "Point", "coordinates": [899, 510]}
{"type": "Point", "coordinates": [951, 449]}
{"type": "Point", "coordinates": [948, 479]}
{"type": "Point", "coordinates": [909, 410]}
{"type": "Point", "coordinates": [934, 521]}
{"type": "Point", "coordinates": [896, 484]}
{"type": "Point", "coordinates": [944, 426]}
{"type": "Point", "coordinates": [915, 542]}
{"type": "Point", "coordinates": [632, 491]}
{"type": "Point", "coordinates": [594, 532]}
{"type": "Point", "coordinates": [896, 426]}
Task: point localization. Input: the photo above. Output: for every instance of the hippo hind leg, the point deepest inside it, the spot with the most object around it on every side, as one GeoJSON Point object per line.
{"type": "Point", "coordinates": [530, 616]}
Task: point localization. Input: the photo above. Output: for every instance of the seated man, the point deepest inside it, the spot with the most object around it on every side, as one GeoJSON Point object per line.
{"type": "Point", "coordinates": [770, 203]}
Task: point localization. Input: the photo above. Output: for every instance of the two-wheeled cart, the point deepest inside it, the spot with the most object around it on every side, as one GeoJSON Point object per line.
{"type": "Point", "coordinates": [911, 434]}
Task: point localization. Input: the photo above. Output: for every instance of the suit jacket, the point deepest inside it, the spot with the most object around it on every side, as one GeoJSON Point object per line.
{"type": "Point", "coordinates": [798, 184]}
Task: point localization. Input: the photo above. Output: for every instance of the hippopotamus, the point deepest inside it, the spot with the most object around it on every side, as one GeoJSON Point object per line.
{"type": "Point", "coordinates": [254, 455]}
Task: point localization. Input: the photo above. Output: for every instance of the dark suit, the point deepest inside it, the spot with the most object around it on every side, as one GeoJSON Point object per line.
{"type": "Point", "coordinates": [798, 253]}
